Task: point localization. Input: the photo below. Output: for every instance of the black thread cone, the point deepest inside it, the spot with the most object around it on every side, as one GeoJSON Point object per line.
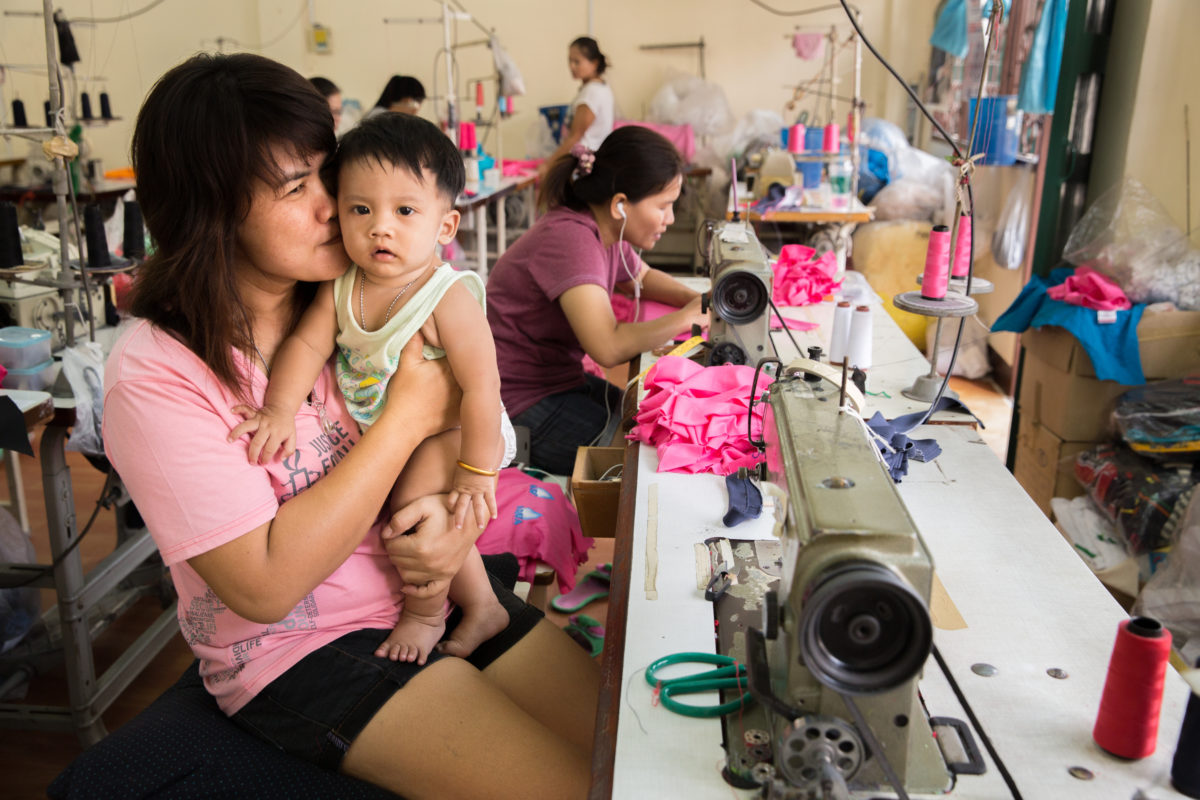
{"type": "Point", "coordinates": [134, 241]}
{"type": "Point", "coordinates": [10, 238]}
{"type": "Point", "coordinates": [1185, 769]}
{"type": "Point", "coordinates": [97, 241]}
{"type": "Point", "coordinates": [85, 105]}
{"type": "Point", "coordinates": [19, 119]}
{"type": "Point", "coordinates": [105, 107]}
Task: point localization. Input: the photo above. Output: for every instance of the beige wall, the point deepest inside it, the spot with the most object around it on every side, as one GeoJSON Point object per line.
{"type": "Point", "coordinates": [748, 52]}
{"type": "Point", "coordinates": [1141, 128]}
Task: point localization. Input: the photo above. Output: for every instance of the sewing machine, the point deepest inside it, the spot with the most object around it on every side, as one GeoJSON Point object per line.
{"type": "Point", "coordinates": [835, 657]}
{"type": "Point", "coordinates": [739, 329]}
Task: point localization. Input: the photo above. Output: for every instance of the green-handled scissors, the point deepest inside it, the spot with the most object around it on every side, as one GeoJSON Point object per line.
{"type": "Point", "coordinates": [729, 675]}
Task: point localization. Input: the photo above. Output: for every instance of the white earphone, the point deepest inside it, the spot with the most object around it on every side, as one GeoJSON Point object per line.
{"type": "Point", "coordinates": [621, 209]}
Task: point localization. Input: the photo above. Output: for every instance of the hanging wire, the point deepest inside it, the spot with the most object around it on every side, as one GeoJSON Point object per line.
{"type": "Point", "coordinates": [120, 18]}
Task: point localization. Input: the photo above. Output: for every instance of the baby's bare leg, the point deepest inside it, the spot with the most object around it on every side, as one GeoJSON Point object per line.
{"type": "Point", "coordinates": [483, 616]}
{"type": "Point", "coordinates": [422, 623]}
{"type": "Point", "coordinates": [430, 469]}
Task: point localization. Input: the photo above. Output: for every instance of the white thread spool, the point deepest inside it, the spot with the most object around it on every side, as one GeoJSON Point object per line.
{"type": "Point", "coordinates": [858, 350]}
{"type": "Point", "coordinates": [839, 337]}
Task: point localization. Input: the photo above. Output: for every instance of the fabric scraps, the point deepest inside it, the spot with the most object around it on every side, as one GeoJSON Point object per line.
{"type": "Point", "coordinates": [803, 278]}
{"type": "Point", "coordinates": [696, 417]}
{"type": "Point", "coordinates": [745, 501]}
{"type": "Point", "coordinates": [1090, 289]}
{"type": "Point", "coordinates": [537, 524]}
{"type": "Point", "coordinates": [895, 433]}
{"type": "Point", "coordinates": [1112, 347]}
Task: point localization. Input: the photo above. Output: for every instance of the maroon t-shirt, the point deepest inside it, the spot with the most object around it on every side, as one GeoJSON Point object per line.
{"type": "Point", "coordinates": [536, 349]}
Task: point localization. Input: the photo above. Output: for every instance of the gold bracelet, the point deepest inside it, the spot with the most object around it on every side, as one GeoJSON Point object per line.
{"type": "Point", "coordinates": [488, 473]}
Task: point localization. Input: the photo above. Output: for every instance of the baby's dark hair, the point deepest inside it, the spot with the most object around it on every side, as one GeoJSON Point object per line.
{"type": "Point", "coordinates": [401, 140]}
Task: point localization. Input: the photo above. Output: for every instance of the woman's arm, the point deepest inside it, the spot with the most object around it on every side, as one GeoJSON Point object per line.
{"type": "Point", "coordinates": [262, 574]}
{"type": "Point", "coordinates": [583, 119]}
{"type": "Point", "coordinates": [589, 311]}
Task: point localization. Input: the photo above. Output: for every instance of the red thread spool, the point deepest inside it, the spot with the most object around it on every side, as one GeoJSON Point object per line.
{"type": "Point", "coordinates": [479, 95]}
{"type": "Point", "coordinates": [796, 139]}
{"type": "Point", "coordinates": [962, 248]}
{"type": "Point", "coordinates": [937, 264]}
{"type": "Point", "coordinates": [1127, 724]}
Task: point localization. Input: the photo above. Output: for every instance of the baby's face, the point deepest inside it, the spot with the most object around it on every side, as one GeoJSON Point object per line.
{"type": "Point", "coordinates": [392, 222]}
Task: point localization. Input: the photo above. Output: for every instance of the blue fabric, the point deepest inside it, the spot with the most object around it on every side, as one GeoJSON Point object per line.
{"type": "Point", "coordinates": [1113, 347]}
{"type": "Point", "coordinates": [895, 433]}
{"type": "Point", "coordinates": [1039, 78]}
{"type": "Point", "coordinates": [950, 30]}
{"type": "Point", "coordinates": [745, 501]}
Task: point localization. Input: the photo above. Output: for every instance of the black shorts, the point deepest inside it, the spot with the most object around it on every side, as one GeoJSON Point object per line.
{"type": "Point", "coordinates": [317, 708]}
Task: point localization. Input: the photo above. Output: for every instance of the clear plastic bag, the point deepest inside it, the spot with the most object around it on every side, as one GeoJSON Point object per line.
{"type": "Point", "coordinates": [688, 100]}
{"type": "Point", "coordinates": [1172, 595]}
{"type": "Point", "coordinates": [18, 606]}
{"type": "Point", "coordinates": [83, 366]}
{"type": "Point", "coordinates": [1161, 420]}
{"type": "Point", "coordinates": [1012, 229]}
{"type": "Point", "coordinates": [1128, 235]}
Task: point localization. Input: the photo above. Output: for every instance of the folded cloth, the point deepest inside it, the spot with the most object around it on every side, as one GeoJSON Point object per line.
{"type": "Point", "coordinates": [696, 417]}
{"type": "Point", "coordinates": [1113, 347]}
{"type": "Point", "coordinates": [537, 524]}
{"type": "Point", "coordinates": [802, 277]}
{"type": "Point", "coordinates": [899, 447]}
{"type": "Point", "coordinates": [1090, 289]}
{"type": "Point", "coordinates": [808, 46]}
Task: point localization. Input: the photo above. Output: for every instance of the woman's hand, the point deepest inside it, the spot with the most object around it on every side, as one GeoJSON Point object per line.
{"type": "Point", "coordinates": [694, 314]}
{"type": "Point", "coordinates": [434, 550]}
{"type": "Point", "coordinates": [423, 393]}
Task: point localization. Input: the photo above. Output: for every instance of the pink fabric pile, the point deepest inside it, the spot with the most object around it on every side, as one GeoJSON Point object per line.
{"type": "Point", "coordinates": [802, 278]}
{"type": "Point", "coordinates": [681, 136]}
{"type": "Point", "coordinates": [537, 524]}
{"type": "Point", "coordinates": [696, 416]}
{"type": "Point", "coordinates": [1090, 289]}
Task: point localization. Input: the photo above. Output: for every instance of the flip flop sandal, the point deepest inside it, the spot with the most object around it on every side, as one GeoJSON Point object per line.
{"type": "Point", "coordinates": [593, 644]}
{"type": "Point", "coordinates": [594, 586]}
{"type": "Point", "coordinates": [588, 624]}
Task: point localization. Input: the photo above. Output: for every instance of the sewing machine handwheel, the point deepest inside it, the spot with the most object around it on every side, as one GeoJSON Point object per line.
{"type": "Point", "coordinates": [864, 630]}
{"type": "Point", "coordinates": [726, 353]}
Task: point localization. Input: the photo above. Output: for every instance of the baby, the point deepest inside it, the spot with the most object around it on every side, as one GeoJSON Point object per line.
{"type": "Point", "coordinates": [397, 177]}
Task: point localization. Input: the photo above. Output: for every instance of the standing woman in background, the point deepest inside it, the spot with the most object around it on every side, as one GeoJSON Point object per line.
{"type": "Point", "coordinates": [592, 111]}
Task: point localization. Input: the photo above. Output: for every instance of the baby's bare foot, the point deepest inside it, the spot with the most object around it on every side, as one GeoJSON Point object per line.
{"type": "Point", "coordinates": [413, 637]}
{"type": "Point", "coordinates": [479, 623]}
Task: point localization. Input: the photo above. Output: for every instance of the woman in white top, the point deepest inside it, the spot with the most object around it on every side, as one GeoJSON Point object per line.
{"type": "Point", "coordinates": [591, 116]}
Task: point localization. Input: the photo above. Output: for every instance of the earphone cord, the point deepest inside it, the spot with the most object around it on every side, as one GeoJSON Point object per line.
{"type": "Point", "coordinates": [637, 284]}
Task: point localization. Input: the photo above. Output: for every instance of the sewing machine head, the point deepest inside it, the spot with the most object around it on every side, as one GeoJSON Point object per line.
{"type": "Point", "coordinates": [846, 636]}
{"type": "Point", "coordinates": [740, 319]}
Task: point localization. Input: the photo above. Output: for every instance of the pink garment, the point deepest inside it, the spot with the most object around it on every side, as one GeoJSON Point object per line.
{"type": "Point", "coordinates": [537, 524]}
{"type": "Point", "coordinates": [511, 167]}
{"type": "Point", "coordinates": [536, 347]}
{"type": "Point", "coordinates": [808, 45]}
{"type": "Point", "coordinates": [696, 416]}
{"type": "Point", "coordinates": [802, 278]}
{"type": "Point", "coordinates": [1090, 289]}
{"type": "Point", "coordinates": [165, 423]}
{"type": "Point", "coordinates": [681, 136]}
{"type": "Point", "coordinates": [792, 324]}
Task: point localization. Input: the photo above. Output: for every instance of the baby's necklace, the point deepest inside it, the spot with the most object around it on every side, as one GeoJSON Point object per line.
{"type": "Point", "coordinates": [387, 314]}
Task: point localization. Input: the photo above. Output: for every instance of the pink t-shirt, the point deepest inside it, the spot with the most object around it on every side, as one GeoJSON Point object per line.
{"type": "Point", "coordinates": [536, 349]}
{"type": "Point", "coordinates": [165, 425]}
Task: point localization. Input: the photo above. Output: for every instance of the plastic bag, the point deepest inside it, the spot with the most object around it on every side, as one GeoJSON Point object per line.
{"type": "Point", "coordinates": [688, 100]}
{"type": "Point", "coordinates": [972, 361]}
{"type": "Point", "coordinates": [19, 607]}
{"type": "Point", "coordinates": [1012, 229]}
{"type": "Point", "coordinates": [1161, 420]}
{"type": "Point", "coordinates": [511, 82]}
{"type": "Point", "coordinates": [906, 199]}
{"type": "Point", "coordinates": [83, 365]}
{"type": "Point", "coordinates": [1172, 595]}
{"type": "Point", "coordinates": [1136, 493]}
{"type": "Point", "coordinates": [1128, 235]}
{"type": "Point", "coordinates": [539, 139]}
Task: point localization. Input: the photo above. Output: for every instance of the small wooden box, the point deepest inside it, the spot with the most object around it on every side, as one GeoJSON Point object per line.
{"type": "Point", "coordinates": [596, 489]}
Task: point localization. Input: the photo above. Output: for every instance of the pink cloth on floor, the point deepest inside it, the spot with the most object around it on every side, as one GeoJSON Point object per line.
{"type": "Point", "coordinates": [696, 416]}
{"type": "Point", "coordinates": [1090, 289]}
{"type": "Point", "coordinates": [808, 45]}
{"type": "Point", "coordinates": [681, 136]}
{"type": "Point", "coordinates": [537, 524]}
{"type": "Point", "coordinates": [803, 278]}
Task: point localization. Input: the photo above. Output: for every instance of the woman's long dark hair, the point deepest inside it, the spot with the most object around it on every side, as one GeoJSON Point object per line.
{"type": "Point", "coordinates": [632, 160]}
{"type": "Point", "coordinates": [204, 137]}
{"type": "Point", "coordinates": [400, 87]}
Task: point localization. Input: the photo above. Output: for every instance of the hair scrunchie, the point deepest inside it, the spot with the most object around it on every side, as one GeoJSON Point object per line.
{"type": "Point", "coordinates": [585, 157]}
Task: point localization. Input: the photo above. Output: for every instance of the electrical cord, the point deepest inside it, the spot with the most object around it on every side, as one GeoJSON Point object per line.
{"type": "Point", "coordinates": [104, 501]}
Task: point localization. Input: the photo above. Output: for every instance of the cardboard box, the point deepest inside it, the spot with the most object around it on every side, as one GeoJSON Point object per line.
{"type": "Point", "coordinates": [596, 489]}
{"type": "Point", "coordinates": [1059, 387]}
{"type": "Point", "coordinates": [1045, 464]}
